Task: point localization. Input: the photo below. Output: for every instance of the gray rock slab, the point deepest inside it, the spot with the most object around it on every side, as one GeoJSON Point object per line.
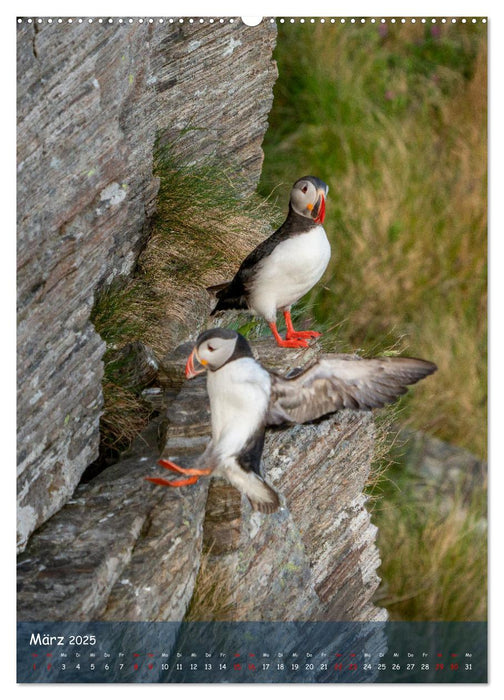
{"type": "Point", "coordinates": [120, 549]}
{"type": "Point", "coordinates": [442, 471]}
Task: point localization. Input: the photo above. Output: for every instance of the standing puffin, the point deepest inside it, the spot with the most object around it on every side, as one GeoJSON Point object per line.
{"type": "Point", "coordinates": [245, 398]}
{"type": "Point", "coordinates": [285, 266]}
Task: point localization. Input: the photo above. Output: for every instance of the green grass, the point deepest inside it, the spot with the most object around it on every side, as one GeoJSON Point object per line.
{"type": "Point", "coordinates": [396, 125]}
{"type": "Point", "coordinates": [189, 247]}
{"type": "Point", "coordinates": [122, 313]}
{"type": "Point", "coordinates": [202, 229]}
{"type": "Point", "coordinates": [394, 120]}
{"type": "Point", "coordinates": [433, 550]}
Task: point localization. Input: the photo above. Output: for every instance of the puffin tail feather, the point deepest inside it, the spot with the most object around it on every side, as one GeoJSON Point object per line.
{"type": "Point", "coordinates": [218, 287]}
{"type": "Point", "coordinates": [226, 298]}
{"type": "Point", "coordinates": [226, 302]}
{"type": "Point", "coordinates": [266, 506]}
{"type": "Point", "coordinates": [261, 496]}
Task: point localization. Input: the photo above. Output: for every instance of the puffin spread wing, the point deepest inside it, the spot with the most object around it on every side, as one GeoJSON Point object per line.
{"type": "Point", "coordinates": [337, 382]}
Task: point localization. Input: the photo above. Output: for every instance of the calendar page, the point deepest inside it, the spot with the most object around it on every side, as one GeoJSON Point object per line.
{"type": "Point", "coordinates": [252, 328]}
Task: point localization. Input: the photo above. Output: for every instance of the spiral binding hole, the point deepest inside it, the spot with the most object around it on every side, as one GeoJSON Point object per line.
{"type": "Point", "coordinates": [248, 21]}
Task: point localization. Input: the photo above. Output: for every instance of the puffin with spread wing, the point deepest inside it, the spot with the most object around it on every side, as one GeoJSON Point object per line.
{"type": "Point", "coordinates": [245, 398]}
{"type": "Point", "coordinates": [285, 266]}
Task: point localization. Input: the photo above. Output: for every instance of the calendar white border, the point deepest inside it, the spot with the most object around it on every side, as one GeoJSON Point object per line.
{"type": "Point", "coordinates": [277, 8]}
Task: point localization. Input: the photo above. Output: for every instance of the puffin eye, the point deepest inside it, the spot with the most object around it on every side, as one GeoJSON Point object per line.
{"type": "Point", "coordinates": [304, 190]}
{"type": "Point", "coordinates": [210, 348]}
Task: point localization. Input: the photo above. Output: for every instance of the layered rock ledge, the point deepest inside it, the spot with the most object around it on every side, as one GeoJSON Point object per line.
{"type": "Point", "coordinates": [124, 549]}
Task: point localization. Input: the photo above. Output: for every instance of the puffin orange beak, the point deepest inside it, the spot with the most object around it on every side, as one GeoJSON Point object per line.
{"type": "Point", "coordinates": [190, 370]}
{"type": "Point", "coordinates": [318, 212]}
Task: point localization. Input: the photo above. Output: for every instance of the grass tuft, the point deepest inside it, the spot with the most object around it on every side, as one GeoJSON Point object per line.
{"type": "Point", "coordinates": [213, 598]}
{"type": "Point", "coordinates": [202, 229]}
{"type": "Point", "coordinates": [121, 314]}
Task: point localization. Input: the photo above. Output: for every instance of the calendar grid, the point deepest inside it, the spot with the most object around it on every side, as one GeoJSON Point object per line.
{"type": "Point", "coordinates": [293, 652]}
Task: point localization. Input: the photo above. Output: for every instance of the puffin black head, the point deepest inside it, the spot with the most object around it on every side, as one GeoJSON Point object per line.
{"type": "Point", "coordinates": [308, 197]}
{"type": "Point", "coordinates": [215, 348]}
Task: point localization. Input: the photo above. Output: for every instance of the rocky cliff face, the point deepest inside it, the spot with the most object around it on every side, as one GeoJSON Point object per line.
{"type": "Point", "coordinates": [124, 549]}
{"type": "Point", "coordinates": [92, 98]}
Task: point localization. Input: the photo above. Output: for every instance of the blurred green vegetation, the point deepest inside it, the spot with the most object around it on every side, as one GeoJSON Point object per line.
{"type": "Point", "coordinates": [433, 548]}
{"type": "Point", "coordinates": [393, 118]}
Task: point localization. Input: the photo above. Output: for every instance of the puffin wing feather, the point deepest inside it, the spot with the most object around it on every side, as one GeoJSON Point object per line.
{"type": "Point", "coordinates": [338, 382]}
{"type": "Point", "coordinates": [234, 294]}
{"type": "Point", "coordinates": [214, 288]}
{"type": "Point", "coordinates": [249, 457]}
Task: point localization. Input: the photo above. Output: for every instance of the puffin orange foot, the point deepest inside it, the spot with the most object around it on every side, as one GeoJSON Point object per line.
{"type": "Point", "coordinates": [302, 334]}
{"type": "Point", "coordinates": [181, 470]}
{"type": "Point", "coordinates": [294, 334]}
{"type": "Point", "coordinates": [292, 342]}
{"type": "Point", "coordinates": [288, 342]}
{"type": "Point", "coordinates": [174, 483]}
